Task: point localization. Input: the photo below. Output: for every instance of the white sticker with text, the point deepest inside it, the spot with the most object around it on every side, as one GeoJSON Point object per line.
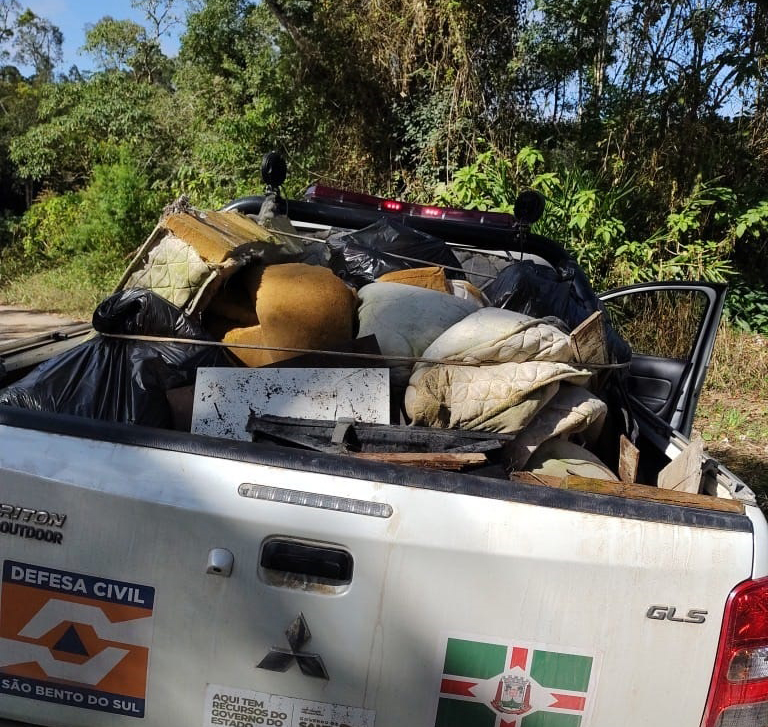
{"type": "Point", "coordinates": [231, 707]}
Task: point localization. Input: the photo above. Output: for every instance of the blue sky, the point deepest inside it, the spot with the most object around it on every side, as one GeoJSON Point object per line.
{"type": "Point", "coordinates": [71, 16]}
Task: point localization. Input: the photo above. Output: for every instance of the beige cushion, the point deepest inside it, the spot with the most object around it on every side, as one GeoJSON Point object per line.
{"type": "Point", "coordinates": [560, 458]}
{"type": "Point", "coordinates": [251, 335]}
{"type": "Point", "coordinates": [302, 306]}
{"type": "Point", "coordinates": [572, 410]}
{"type": "Point", "coordinates": [431, 278]}
{"type": "Point", "coordinates": [501, 398]}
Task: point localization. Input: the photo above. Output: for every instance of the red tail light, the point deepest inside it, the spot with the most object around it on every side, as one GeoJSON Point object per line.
{"type": "Point", "coordinates": [738, 694]}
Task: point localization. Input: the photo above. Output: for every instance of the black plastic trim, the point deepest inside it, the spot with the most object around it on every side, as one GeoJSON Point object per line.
{"type": "Point", "coordinates": [341, 466]}
{"type": "Point", "coordinates": [483, 237]}
{"type": "Point", "coordinates": [333, 565]}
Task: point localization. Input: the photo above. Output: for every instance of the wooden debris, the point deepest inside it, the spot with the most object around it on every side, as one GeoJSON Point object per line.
{"type": "Point", "coordinates": [531, 478]}
{"type": "Point", "coordinates": [588, 340]}
{"type": "Point", "coordinates": [432, 460]}
{"type": "Point", "coordinates": [629, 459]}
{"type": "Point", "coordinates": [633, 492]}
{"type": "Point", "coordinates": [345, 435]}
{"type": "Point", "coordinates": [683, 473]}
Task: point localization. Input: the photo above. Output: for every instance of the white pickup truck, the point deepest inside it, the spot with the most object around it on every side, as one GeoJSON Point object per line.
{"type": "Point", "coordinates": [170, 579]}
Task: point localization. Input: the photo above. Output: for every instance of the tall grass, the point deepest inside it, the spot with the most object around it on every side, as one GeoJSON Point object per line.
{"type": "Point", "coordinates": [739, 364]}
{"type": "Point", "coordinates": [732, 415]}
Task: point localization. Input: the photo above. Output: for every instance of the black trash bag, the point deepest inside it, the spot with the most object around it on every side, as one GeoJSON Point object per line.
{"type": "Point", "coordinates": [565, 292]}
{"type": "Point", "coordinates": [362, 256]}
{"type": "Point", "coordinates": [121, 380]}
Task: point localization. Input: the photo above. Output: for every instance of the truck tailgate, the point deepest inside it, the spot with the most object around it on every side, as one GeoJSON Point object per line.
{"type": "Point", "coordinates": [395, 598]}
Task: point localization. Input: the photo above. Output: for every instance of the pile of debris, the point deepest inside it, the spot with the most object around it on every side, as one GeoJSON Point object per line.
{"type": "Point", "coordinates": [380, 343]}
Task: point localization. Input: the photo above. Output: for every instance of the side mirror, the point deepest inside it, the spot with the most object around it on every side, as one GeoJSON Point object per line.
{"type": "Point", "coordinates": [529, 206]}
{"type": "Point", "coordinates": [273, 170]}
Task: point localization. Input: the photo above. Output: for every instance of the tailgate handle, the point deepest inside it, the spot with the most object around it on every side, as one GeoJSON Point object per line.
{"type": "Point", "coordinates": [326, 564]}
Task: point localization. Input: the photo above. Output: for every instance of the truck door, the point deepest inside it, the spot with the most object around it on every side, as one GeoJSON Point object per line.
{"type": "Point", "coordinates": [670, 357]}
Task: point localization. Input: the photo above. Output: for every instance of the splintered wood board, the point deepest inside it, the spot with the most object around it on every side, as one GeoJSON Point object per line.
{"type": "Point", "coordinates": [631, 491]}
{"type": "Point", "coordinates": [225, 397]}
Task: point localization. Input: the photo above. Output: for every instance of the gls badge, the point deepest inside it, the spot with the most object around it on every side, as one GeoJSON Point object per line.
{"type": "Point", "coordinates": [662, 613]}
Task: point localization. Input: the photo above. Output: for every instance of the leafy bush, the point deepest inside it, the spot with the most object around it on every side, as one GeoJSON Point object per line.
{"type": "Point", "coordinates": [598, 220]}
{"type": "Point", "coordinates": [113, 214]}
{"type": "Point", "coordinates": [119, 209]}
{"type": "Point", "coordinates": [746, 306]}
{"type": "Point", "coordinates": [79, 242]}
{"type": "Point", "coordinates": [47, 226]}
{"type": "Point", "coordinates": [584, 211]}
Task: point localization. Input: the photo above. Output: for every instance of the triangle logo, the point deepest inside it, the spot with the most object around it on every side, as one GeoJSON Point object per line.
{"type": "Point", "coordinates": [71, 643]}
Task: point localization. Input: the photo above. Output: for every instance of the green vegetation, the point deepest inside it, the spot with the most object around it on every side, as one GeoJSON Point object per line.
{"type": "Point", "coordinates": [643, 125]}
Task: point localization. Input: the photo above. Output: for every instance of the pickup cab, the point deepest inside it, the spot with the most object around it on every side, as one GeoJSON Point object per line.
{"type": "Point", "coordinates": [163, 578]}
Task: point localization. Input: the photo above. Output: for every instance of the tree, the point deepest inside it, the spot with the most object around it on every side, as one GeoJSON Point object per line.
{"type": "Point", "coordinates": [161, 15]}
{"type": "Point", "coordinates": [123, 45]}
{"type": "Point", "coordinates": [38, 44]}
{"type": "Point", "coordinates": [79, 125]}
{"type": "Point", "coordinates": [9, 9]}
{"type": "Point", "coordinates": [113, 43]}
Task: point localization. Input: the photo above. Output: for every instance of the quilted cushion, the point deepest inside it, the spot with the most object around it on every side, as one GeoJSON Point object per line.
{"type": "Point", "coordinates": [560, 458]}
{"type": "Point", "coordinates": [493, 334]}
{"type": "Point", "coordinates": [502, 398]}
{"type": "Point", "coordinates": [534, 355]}
{"type": "Point", "coordinates": [572, 410]}
{"type": "Point", "coordinates": [173, 270]}
{"type": "Point", "coordinates": [405, 319]}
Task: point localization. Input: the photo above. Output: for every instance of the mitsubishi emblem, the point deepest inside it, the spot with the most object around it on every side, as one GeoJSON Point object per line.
{"type": "Point", "coordinates": [298, 636]}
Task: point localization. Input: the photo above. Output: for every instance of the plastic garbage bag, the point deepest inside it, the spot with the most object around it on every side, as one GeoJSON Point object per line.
{"type": "Point", "coordinates": [116, 379]}
{"type": "Point", "coordinates": [362, 256]}
{"type": "Point", "coordinates": [540, 291]}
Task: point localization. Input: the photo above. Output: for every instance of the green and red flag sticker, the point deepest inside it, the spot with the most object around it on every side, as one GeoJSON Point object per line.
{"type": "Point", "coordinates": [513, 684]}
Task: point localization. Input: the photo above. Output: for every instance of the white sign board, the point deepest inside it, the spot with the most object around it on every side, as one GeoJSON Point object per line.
{"type": "Point", "coordinates": [225, 398]}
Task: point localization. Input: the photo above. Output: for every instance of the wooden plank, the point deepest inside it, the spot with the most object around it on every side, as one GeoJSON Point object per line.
{"type": "Point", "coordinates": [629, 460]}
{"type": "Point", "coordinates": [533, 479]}
{"type": "Point", "coordinates": [683, 473]}
{"type": "Point", "coordinates": [648, 492]}
{"type": "Point", "coordinates": [588, 340]}
{"type": "Point", "coordinates": [431, 460]}
{"type": "Point", "coordinates": [633, 492]}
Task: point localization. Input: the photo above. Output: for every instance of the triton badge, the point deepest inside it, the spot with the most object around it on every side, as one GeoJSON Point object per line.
{"type": "Point", "coordinates": [298, 636]}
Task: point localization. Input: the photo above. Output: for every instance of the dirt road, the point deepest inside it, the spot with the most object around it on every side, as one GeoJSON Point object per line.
{"type": "Point", "coordinates": [18, 322]}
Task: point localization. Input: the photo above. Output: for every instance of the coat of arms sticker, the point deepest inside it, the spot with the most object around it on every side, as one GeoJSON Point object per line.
{"type": "Point", "coordinates": [490, 683]}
